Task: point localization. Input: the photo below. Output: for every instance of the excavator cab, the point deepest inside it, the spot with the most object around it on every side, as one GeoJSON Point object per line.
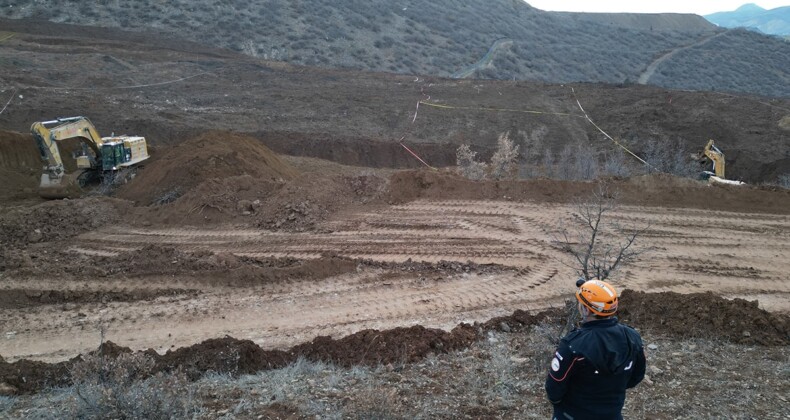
{"type": "Point", "coordinates": [122, 151]}
{"type": "Point", "coordinates": [112, 156]}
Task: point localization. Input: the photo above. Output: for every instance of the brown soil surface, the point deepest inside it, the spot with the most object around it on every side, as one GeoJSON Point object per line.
{"type": "Point", "coordinates": [429, 262]}
{"type": "Point", "coordinates": [649, 190]}
{"type": "Point", "coordinates": [57, 220]}
{"type": "Point", "coordinates": [20, 165]}
{"type": "Point", "coordinates": [23, 298]}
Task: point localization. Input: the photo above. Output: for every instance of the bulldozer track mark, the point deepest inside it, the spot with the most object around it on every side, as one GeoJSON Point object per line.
{"type": "Point", "coordinates": [697, 251]}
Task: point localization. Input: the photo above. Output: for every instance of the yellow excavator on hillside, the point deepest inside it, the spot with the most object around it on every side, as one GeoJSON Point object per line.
{"type": "Point", "coordinates": [99, 158]}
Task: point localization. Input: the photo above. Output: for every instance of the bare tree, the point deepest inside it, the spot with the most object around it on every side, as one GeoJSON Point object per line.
{"type": "Point", "coordinates": [596, 251]}
{"type": "Point", "coordinates": [616, 165]}
{"type": "Point", "coordinates": [784, 181]}
{"type": "Point", "coordinates": [669, 157]}
{"type": "Point", "coordinates": [585, 163]}
{"type": "Point", "coordinates": [548, 164]}
{"type": "Point", "coordinates": [504, 158]}
{"type": "Point", "coordinates": [596, 247]}
{"type": "Point", "coordinates": [566, 156]}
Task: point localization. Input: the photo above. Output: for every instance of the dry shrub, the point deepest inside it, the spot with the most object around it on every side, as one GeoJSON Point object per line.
{"type": "Point", "coordinates": [124, 387]}
{"type": "Point", "coordinates": [670, 158]}
{"type": "Point", "coordinates": [467, 165]}
{"type": "Point", "coordinates": [504, 159]}
{"type": "Point", "coordinates": [503, 162]}
{"type": "Point", "coordinates": [377, 401]}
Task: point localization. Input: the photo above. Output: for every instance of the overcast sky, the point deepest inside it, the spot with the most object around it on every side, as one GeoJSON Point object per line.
{"type": "Point", "coordinates": [700, 7]}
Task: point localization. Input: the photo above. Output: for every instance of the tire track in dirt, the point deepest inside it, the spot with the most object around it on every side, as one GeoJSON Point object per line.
{"type": "Point", "coordinates": [731, 254]}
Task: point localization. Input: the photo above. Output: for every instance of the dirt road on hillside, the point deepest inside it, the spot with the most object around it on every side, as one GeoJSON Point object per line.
{"type": "Point", "coordinates": [731, 254]}
{"type": "Point", "coordinates": [644, 78]}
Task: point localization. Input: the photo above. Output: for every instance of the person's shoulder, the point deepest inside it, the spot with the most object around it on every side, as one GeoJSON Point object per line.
{"type": "Point", "coordinates": [628, 327]}
{"type": "Point", "coordinates": [576, 335]}
{"type": "Point", "coordinates": [630, 330]}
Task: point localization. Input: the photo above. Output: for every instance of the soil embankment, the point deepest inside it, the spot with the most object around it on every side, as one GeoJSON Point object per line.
{"type": "Point", "coordinates": [737, 321]}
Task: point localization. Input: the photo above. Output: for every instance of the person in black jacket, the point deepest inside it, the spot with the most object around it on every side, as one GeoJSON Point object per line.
{"type": "Point", "coordinates": [596, 363]}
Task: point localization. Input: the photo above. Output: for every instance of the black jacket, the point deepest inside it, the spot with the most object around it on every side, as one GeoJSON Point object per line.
{"type": "Point", "coordinates": [592, 368]}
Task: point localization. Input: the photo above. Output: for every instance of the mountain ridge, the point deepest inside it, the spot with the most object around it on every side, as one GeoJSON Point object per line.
{"type": "Point", "coordinates": [444, 37]}
{"type": "Point", "coordinates": [751, 16]}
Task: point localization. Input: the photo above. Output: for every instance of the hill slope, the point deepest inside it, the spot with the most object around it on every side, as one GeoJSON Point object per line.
{"type": "Point", "coordinates": [440, 38]}
{"type": "Point", "coordinates": [751, 16]}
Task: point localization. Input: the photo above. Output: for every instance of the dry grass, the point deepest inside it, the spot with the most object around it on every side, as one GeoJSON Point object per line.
{"type": "Point", "coordinates": [499, 377]}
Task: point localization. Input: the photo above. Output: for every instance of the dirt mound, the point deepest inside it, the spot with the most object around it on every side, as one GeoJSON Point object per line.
{"type": "Point", "coordinates": [154, 260]}
{"type": "Point", "coordinates": [24, 298]}
{"type": "Point", "coordinates": [215, 201]}
{"type": "Point", "coordinates": [649, 190]}
{"type": "Point", "coordinates": [399, 345]}
{"type": "Point", "coordinates": [20, 165]}
{"type": "Point", "coordinates": [215, 154]}
{"type": "Point", "coordinates": [301, 204]}
{"type": "Point", "coordinates": [224, 355]}
{"type": "Point", "coordinates": [295, 205]}
{"type": "Point", "coordinates": [704, 315]}
{"type": "Point", "coordinates": [57, 220]}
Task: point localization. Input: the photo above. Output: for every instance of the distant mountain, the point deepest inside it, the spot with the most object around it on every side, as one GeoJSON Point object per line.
{"type": "Point", "coordinates": [751, 16]}
{"type": "Point", "coordinates": [484, 39]}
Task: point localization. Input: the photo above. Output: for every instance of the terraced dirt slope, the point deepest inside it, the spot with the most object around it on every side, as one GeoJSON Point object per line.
{"type": "Point", "coordinates": [170, 91]}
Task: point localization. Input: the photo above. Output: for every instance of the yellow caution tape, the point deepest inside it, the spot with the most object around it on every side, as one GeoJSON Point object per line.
{"type": "Point", "coordinates": [4, 36]}
{"type": "Point", "coordinates": [604, 132]}
{"type": "Point", "coordinates": [523, 111]}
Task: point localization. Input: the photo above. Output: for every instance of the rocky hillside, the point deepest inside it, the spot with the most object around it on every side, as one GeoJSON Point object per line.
{"type": "Point", "coordinates": [448, 37]}
{"type": "Point", "coordinates": [751, 16]}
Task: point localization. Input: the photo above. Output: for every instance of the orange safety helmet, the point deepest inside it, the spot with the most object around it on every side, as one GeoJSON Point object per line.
{"type": "Point", "coordinates": [598, 296]}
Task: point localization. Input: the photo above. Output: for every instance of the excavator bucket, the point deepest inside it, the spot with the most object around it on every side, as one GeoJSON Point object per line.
{"type": "Point", "coordinates": [67, 187]}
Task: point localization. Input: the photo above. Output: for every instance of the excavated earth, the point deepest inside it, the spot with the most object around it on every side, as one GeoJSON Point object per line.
{"type": "Point", "coordinates": [234, 249]}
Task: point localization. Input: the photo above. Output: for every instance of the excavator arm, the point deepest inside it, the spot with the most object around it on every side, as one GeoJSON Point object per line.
{"type": "Point", "coordinates": [716, 157]}
{"type": "Point", "coordinates": [47, 139]}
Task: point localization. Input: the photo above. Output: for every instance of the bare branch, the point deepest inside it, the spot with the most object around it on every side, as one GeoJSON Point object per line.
{"type": "Point", "coordinates": [596, 254]}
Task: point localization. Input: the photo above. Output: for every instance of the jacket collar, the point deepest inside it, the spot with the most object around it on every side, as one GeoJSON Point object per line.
{"type": "Point", "coordinates": [600, 323]}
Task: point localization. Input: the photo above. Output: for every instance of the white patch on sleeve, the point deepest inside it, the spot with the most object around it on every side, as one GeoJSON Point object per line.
{"type": "Point", "coordinates": [555, 364]}
{"type": "Point", "coordinates": [559, 356]}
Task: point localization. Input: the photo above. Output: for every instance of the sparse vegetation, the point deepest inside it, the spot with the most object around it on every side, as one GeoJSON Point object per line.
{"type": "Point", "coordinates": [560, 48]}
{"type": "Point", "coordinates": [503, 162]}
{"type": "Point", "coordinates": [124, 387]}
{"type": "Point", "coordinates": [670, 158]}
{"type": "Point", "coordinates": [504, 159]}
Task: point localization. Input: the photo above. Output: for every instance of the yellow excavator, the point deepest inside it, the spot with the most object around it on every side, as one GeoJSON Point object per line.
{"type": "Point", "coordinates": [99, 158]}
{"type": "Point", "coordinates": [711, 154]}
